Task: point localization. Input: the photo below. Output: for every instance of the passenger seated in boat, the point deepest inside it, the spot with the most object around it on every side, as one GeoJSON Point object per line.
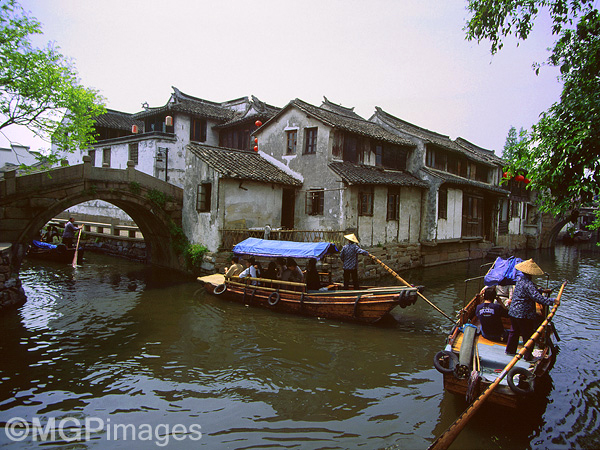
{"type": "Point", "coordinates": [280, 267]}
{"type": "Point", "coordinates": [235, 269]}
{"type": "Point", "coordinates": [504, 294]}
{"type": "Point", "coordinates": [313, 281]}
{"type": "Point", "coordinates": [292, 272]}
{"type": "Point", "coordinates": [271, 272]}
{"type": "Point", "coordinates": [490, 316]}
{"type": "Point", "coordinates": [250, 270]}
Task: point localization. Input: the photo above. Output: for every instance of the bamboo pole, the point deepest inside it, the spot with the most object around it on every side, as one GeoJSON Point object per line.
{"type": "Point", "coordinates": [446, 438]}
{"type": "Point", "coordinates": [76, 250]}
{"type": "Point", "coordinates": [398, 277]}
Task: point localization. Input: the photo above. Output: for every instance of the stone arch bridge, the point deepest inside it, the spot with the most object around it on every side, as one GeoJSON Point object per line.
{"type": "Point", "coordinates": [28, 202]}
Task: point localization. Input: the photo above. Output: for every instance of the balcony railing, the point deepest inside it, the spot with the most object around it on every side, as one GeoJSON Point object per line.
{"type": "Point", "coordinates": [229, 238]}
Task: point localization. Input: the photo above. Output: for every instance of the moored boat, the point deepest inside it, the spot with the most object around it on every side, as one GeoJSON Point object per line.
{"type": "Point", "coordinates": [470, 363]}
{"type": "Point", "coordinates": [366, 305]}
{"type": "Point", "coordinates": [50, 252]}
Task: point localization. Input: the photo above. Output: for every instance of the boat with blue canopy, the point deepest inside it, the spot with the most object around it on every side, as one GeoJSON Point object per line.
{"type": "Point", "coordinates": [332, 301]}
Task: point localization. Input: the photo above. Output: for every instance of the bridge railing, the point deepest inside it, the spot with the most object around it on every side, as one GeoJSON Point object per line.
{"type": "Point", "coordinates": [100, 229]}
{"type": "Point", "coordinates": [231, 237]}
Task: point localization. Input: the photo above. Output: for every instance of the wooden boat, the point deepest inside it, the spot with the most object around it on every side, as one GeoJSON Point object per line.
{"type": "Point", "coordinates": [470, 363]}
{"type": "Point", "coordinates": [368, 305]}
{"type": "Point", "coordinates": [50, 252]}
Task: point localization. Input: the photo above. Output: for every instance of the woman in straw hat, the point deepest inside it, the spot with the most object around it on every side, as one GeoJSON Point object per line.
{"type": "Point", "coordinates": [522, 313]}
{"type": "Point", "coordinates": [349, 257]}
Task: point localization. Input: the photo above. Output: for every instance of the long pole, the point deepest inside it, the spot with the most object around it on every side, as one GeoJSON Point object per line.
{"type": "Point", "coordinates": [446, 438]}
{"type": "Point", "coordinates": [399, 278]}
{"type": "Point", "coordinates": [76, 250]}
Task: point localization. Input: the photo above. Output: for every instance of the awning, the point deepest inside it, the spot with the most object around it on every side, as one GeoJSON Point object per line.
{"type": "Point", "coordinates": [272, 248]}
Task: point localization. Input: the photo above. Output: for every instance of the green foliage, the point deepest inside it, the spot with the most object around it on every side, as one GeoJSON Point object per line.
{"type": "Point", "coordinates": [179, 240]}
{"type": "Point", "coordinates": [560, 152]}
{"type": "Point", "coordinates": [158, 197]}
{"type": "Point", "coordinates": [194, 254]}
{"type": "Point", "coordinates": [514, 145]}
{"type": "Point", "coordinates": [135, 188]}
{"type": "Point", "coordinates": [39, 87]}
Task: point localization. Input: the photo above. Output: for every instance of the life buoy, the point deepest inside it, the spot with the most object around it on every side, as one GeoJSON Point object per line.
{"type": "Point", "coordinates": [525, 383]}
{"type": "Point", "coordinates": [445, 358]}
{"type": "Point", "coordinates": [273, 298]}
{"type": "Point", "coordinates": [220, 289]}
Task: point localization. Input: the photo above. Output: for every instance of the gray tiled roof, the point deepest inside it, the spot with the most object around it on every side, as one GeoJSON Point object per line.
{"type": "Point", "coordinates": [353, 174]}
{"type": "Point", "coordinates": [460, 145]}
{"type": "Point", "coordinates": [344, 110]}
{"type": "Point", "coordinates": [117, 120]}
{"type": "Point", "coordinates": [456, 180]}
{"type": "Point", "coordinates": [241, 164]}
{"type": "Point", "coordinates": [348, 123]}
{"type": "Point", "coordinates": [489, 155]}
{"type": "Point", "coordinates": [185, 103]}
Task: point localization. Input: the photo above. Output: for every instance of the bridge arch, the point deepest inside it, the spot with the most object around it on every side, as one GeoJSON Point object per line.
{"type": "Point", "coordinates": [28, 202]}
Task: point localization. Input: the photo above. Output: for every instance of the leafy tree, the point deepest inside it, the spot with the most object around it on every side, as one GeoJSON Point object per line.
{"type": "Point", "coordinates": [39, 87]}
{"type": "Point", "coordinates": [513, 145]}
{"type": "Point", "coordinates": [561, 152]}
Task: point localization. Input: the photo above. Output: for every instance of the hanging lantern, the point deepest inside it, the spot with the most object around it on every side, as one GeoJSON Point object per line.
{"type": "Point", "coordinates": [256, 140]}
{"type": "Point", "coordinates": [526, 181]}
{"type": "Point", "coordinates": [258, 123]}
{"type": "Point", "coordinates": [134, 129]}
{"type": "Point", "coordinates": [519, 178]}
{"type": "Point", "coordinates": [505, 175]}
{"type": "Point", "coordinates": [169, 121]}
{"type": "Point", "coordinates": [256, 148]}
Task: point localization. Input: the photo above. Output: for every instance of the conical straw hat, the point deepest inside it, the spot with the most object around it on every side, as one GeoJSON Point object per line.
{"type": "Point", "coordinates": [529, 267]}
{"type": "Point", "coordinates": [352, 238]}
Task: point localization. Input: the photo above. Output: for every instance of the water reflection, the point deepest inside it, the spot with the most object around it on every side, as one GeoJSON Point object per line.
{"type": "Point", "coordinates": [116, 340]}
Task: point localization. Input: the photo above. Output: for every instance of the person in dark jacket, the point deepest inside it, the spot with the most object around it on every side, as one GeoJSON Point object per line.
{"type": "Point", "coordinates": [523, 317]}
{"type": "Point", "coordinates": [490, 316]}
{"type": "Point", "coordinates": [69, 233]}
{"type": "Point", "coordinates": [349, 257]}
{"type": "Point", "coordinates": [311, 277]}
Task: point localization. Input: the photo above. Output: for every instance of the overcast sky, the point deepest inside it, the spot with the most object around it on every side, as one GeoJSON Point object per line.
{"type": "Point", "coordinates": [409, 57]}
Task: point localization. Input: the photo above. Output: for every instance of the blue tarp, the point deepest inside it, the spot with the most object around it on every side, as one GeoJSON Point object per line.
{"type": "Point", "coordinates": [272, 248]}
{"type": "Point", "coordinates": [503, 272]}
{"type": "Point", "coordinates": [40, 244]}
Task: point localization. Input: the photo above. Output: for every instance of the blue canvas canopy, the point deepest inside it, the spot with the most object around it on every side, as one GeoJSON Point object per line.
{"type": "Point", "coordinates": [272, 248]}
{"type": "Point", "coordinates": [503, 272]}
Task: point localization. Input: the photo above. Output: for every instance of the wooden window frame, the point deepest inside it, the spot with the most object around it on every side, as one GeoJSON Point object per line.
{"type": "Point", "coordinates": [198, 128]}
{"type": "Point", "coordinates": [203, 197]}
{"type": "Point", "coordinates": [365, 202]}
{"type": "Point", "coordinates": [133, 150]}
{"type": "Point", "coordinates": [315, 202]}
{"type": "Point", "coordinates": [393, 205]}
{"type": "Point", "coordinates": [443, 203]}
{"type": "Point", "coordinates": [310, 140]}
{"type": "Point", "coordinates": [106, 159]}
{"type": "Point", "coordinates": [291, 142]}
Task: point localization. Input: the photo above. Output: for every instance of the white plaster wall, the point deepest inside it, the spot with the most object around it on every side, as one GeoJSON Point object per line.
{"type": "Point", "coordinates": [451, 227]}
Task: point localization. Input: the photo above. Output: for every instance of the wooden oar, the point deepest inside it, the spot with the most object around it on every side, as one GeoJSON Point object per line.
{"type": "Point", "coordinates": [446, 438]}
{"type": "Point", "coordinates": [399, 278]}
{"type": "Point", "coordinates": [76, 250]}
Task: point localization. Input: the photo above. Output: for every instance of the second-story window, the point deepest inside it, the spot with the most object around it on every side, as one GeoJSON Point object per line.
{"type": "Point", "coordinates": [315, 199]}
{"type": "Point", "coordinates": [291, 140]}
{"type": "Point", "coordinates": [198, 130]}
{"type": "Point", "coordinates": [310, 141]}
{"type": "Point", "coordinates": [106, 157]}
{"type": "Point", "coordinates": [133, 152]}
{"type": "Point", "coordinates": [365, 201]}
{"type": "Point", "coordinates": [379, 155]}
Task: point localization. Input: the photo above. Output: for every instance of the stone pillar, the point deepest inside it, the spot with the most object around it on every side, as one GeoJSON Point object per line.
{"type": "Point", "coordinates": [12, 294]}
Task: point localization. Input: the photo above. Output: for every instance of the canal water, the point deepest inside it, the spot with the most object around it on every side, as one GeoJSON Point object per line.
{"type": "Point", "coordinates": [114, 354]}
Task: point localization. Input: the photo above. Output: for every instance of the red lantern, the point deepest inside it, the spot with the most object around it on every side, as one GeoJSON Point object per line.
{"type": "Point", "coordinates": [526, 181]}
{"type": "Point", "coordinates": [505, 175]}
{"type": "Point", "coordinates": [258, 123]}
{"type": "Point", "coordinates": [169, 121]}
{"type": "Point", "coordinates": [519, 178]}
{"type": "Point", "coordinates": [256, 140]}
{"type": "Point", "coordinates": [134, 129]}
{"type": "Point", "coordinates": [256, 148]}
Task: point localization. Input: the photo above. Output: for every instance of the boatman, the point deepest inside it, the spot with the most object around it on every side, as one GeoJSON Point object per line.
{"type": "Point", "coordinates": [349, 257]}
{"type": "Point", "coordinates": [69, 233]}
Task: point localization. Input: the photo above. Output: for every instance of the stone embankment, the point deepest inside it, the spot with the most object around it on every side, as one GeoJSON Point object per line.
{"type": "Point", "coordinates": [12, 294]}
